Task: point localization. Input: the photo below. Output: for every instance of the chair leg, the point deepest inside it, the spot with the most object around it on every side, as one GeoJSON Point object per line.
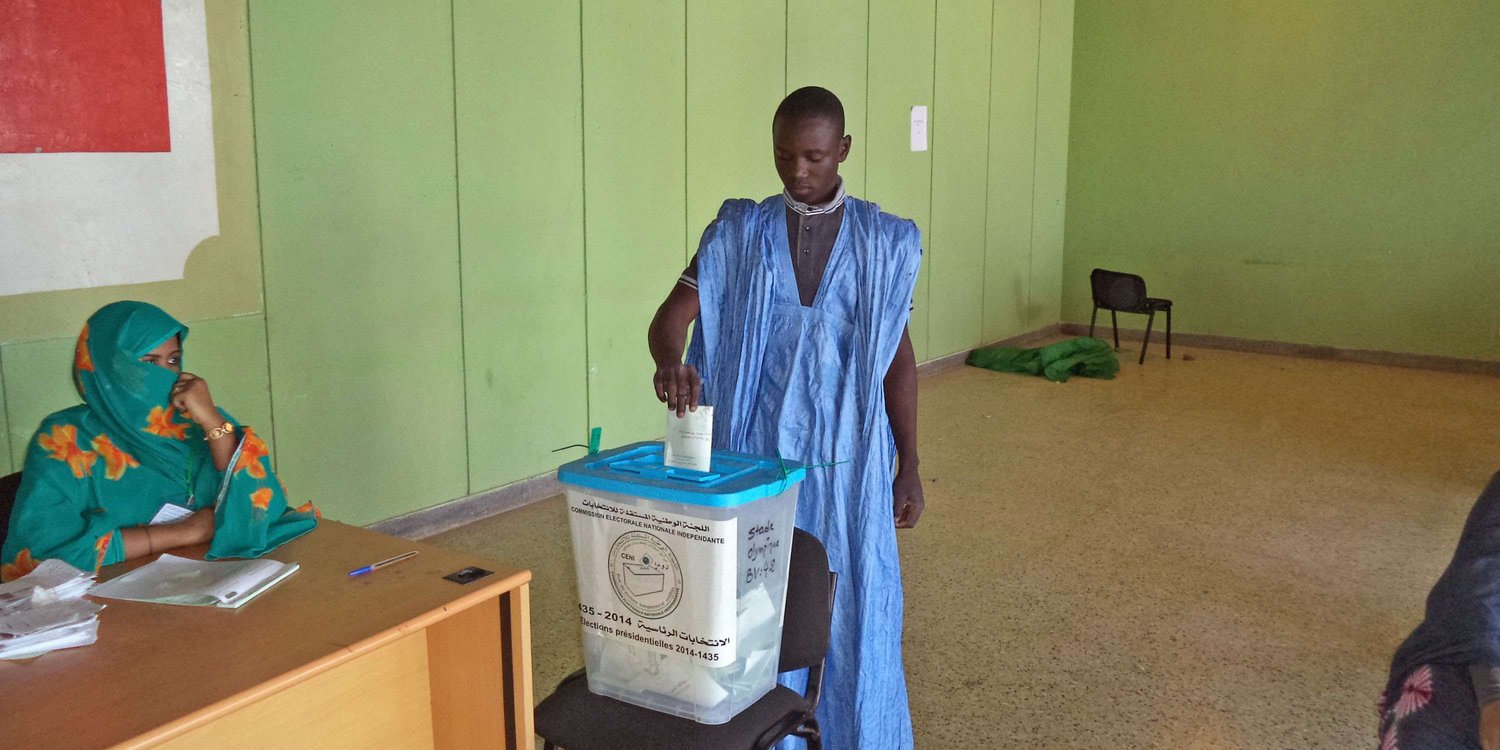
{"type": "Point", "coordinates": [1092, 318]}
{"type": "Point", "coordinates": [1169, 333]}
{"type": "Point", "coordinates": [1114, 320]}
{"type": "Point", "coordinates": [1145, 342]}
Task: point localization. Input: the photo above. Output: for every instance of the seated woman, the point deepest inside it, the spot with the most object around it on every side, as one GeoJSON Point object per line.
{"type": "Point", "coordinates": [1444, 687]}
{"type": "Point", "coordinates": [147, 435]}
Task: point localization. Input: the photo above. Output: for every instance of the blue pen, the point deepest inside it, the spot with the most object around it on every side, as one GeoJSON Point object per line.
{"type": "Point", "coordinates": [377, 566]}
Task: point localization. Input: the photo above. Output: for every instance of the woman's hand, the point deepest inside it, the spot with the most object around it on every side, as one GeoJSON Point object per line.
{"type": "Point", "coordinates": [198, 528]}
{"type": "Point", "coordinates": [1489, 726]}
{"type": "Point", "coordinates": [191, 397]}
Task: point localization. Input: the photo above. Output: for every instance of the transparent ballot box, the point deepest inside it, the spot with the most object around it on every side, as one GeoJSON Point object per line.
{"type": "Point", "coordinates": [681, 576]}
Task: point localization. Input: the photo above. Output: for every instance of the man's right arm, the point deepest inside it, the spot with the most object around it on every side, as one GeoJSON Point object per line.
{"type": "Point", "coordinates": [677, 384]}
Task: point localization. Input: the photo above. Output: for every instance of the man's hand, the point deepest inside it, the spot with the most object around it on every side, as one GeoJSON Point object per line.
{"type": "Point", "coordinates": [191, 397]}
{"type": "Point", "coordinates": [907, 490]}
{"type": "Point", "coordinates": [678, 386]}
{"type": "Point", "coordinates": [1489, 726]}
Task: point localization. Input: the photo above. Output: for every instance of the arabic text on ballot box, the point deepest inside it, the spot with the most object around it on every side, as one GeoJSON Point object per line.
{"type": "Point", "coordinates": [681, 576]}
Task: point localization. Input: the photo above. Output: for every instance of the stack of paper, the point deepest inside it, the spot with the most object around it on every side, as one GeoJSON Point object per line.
{"type": "Point", "coordinates": [51, 581]}
{"type": "Point", "coordinates": [43, 611]}
{"type": "Point", "coordinates": [178, 580]}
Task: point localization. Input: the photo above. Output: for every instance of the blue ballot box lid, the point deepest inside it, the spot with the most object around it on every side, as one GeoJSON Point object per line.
{"type": "Point", "coordinates": [733, 479]}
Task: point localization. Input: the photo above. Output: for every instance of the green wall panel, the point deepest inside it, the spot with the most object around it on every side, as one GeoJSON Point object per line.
{"type": "Point", "coordinates": [736, 75]}
{"type": "Point", "coordinates": [827, 45]}
{"type": "Point", "coordinates": [5, 453]}
{"type": "Point", "coordinates": [38, 381]}
{"type": "Point", "coordinates": [960, 155]}
{"type": "Point", "coordinates": [355, 142]}
{"type": "Point", "coordinates": [1008, 309]}
{"type": "Point", "coordinates": [899, 179]}
{"type": "Point", "coordinates": [1320, 173]}
{"type": "Point", "coordinates": [634, 76]}
{"type": "Point", "coordinates": [1054, 93]}
{"type": "Point", "coordinates": [520, 169]}
{"type": "Point", "coordinates": [229, 353]}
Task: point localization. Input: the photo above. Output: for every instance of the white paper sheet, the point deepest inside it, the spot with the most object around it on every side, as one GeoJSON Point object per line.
{"type": "Point", "coordinates": [690, 439]}
{"type": "Point", "coordinates": [179, 580]}
{"type": "Point", "coordinates": [919, 128]}
{"type": "Point", "coordinates": [170, 513]}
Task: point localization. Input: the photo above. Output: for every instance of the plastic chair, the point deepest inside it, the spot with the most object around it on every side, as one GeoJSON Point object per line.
{"type": "Point", "coordinates": [1125, 292]}
{"type": "Point", "coordinates": [575, 719]}
{"type": "Point", "coordinates": [10, 484]}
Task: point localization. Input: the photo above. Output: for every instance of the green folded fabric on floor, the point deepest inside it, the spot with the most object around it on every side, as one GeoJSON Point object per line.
{"type": "Point", "coordinates": [1084, 356]}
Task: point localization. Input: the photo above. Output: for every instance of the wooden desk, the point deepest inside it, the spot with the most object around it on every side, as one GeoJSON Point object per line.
{"type": "Point", "coordinates": [395, 659]}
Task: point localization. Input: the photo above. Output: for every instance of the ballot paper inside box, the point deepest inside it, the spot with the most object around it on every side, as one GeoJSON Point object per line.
{"type": "Point", "coordinates": [681, 576]}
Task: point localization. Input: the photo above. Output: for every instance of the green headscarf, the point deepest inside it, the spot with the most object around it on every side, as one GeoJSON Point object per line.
{"type": "Point", "coordinates": [130, 397]}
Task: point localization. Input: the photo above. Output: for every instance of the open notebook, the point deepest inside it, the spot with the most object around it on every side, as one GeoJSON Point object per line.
{"type": "Point", "coordinates": [197, 583]}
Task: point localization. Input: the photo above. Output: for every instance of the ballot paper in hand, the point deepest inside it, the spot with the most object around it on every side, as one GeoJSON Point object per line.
{"type": "Point", "coordinates": [690, 439]}
{"type": "Point", "coordinates": [197, 583]}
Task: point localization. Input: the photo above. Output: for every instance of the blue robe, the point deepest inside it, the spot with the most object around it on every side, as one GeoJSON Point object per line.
{"type": "Point", "coordinates": [807, 384]}
{"type": "Point", "coordinates": [1429, 701]}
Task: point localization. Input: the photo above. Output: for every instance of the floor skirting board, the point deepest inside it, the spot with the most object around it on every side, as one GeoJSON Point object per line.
{"type": "Point", "coordinates": [1285, 349]}
{"type": "Point", "coordinates": [419, 524]}
{"type": "Point", "coordinates": [955, 359]}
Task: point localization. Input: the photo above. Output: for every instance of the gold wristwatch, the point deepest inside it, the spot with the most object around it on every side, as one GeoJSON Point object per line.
{"type": "Point", "coordinates": [224, 429]}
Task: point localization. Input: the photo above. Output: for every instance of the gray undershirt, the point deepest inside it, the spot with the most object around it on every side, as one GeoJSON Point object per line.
{"type": "Point", "coordinates": [1486, 683]}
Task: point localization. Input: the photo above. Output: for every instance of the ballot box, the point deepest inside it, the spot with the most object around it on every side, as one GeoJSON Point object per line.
{"type": "Point", "coordinates": [681, 576]}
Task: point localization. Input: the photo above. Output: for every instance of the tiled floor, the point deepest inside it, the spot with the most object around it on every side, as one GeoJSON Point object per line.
{"type": "Point", "coordinates": [1220, 551]}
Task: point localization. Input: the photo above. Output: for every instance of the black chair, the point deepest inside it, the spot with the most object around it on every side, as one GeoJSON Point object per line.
{"type": "Point", "coordinates": [575, 719]}
{"type": "Point", "coordinates": [10, 484]}
{"type": "Point", "coordinates": [1125, 292]}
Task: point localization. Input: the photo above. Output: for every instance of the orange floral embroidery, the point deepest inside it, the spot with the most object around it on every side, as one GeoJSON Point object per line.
{"type": "Point", "coordinates": [81, 358]}
{"type": "Point", "coordinates": [307, 507]}
{"type": "Point", "coordinates": [22, 565]}
{"type": "Point", "coordinates": [116, 461]}
{"type": "Point", "coordinates": [261, 498]}
{"type": "Point", "coordinates": [160, 423]}
{"type": "Point", "coordinates": [101, 548]}
{"type": "Point", "coordinates": [63, 445]}
{"type": "Point", "coordinates": [250, 455]}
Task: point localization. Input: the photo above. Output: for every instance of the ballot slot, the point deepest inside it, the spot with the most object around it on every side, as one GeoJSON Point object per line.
{"type": "Point", "coordinates": [648, 461]}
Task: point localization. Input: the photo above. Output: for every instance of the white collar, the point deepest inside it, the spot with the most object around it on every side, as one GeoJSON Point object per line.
{"type": "Point", "coordinates": [818, 210]}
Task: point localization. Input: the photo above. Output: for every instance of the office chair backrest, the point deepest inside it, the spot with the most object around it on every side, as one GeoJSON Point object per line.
{"type": "Point", "coordinates": [809, 604]}
{"type": "Point", "coordinates": [1118, 291]}
{"type": "Point", "coordinates": [10, 484]}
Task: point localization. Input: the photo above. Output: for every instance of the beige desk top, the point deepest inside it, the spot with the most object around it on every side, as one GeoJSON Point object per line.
{"type": "Point", "coordinates": [158, 669]}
